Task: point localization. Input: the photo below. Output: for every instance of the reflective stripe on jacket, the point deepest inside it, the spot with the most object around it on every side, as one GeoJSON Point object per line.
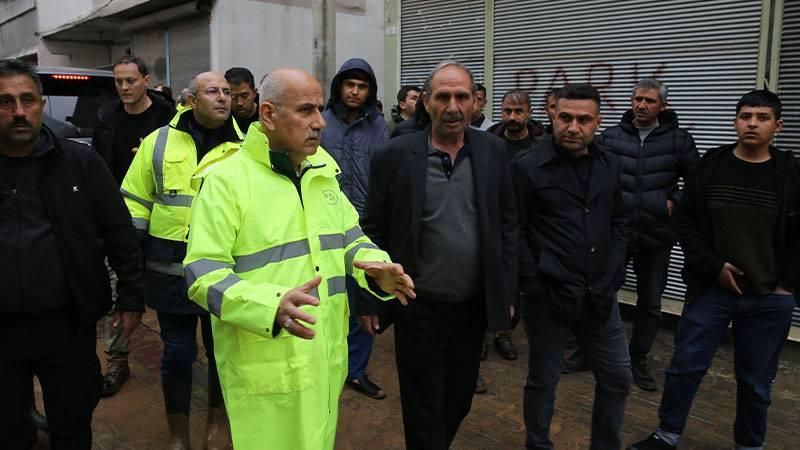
{"type": "Point", "coordinates": [252, 240]}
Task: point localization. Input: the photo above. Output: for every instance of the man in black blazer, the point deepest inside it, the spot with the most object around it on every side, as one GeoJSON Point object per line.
{"type": "Point", "coordinates": [441, 202]}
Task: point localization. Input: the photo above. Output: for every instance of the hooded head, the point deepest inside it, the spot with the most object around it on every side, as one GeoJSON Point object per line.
{"type": "Point", "coordinates": [354, 71]}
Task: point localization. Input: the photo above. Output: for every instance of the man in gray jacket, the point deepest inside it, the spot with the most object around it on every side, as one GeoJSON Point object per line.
{"type": "Point", "coordinates": [355, 129]}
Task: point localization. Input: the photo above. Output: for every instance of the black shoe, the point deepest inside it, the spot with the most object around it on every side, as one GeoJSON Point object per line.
{"type": "Point", "coordinates": [114, 378]}
{"type": "Point", "coordinates": [642, 376]}
{"type": "Point", "coordinates": [484, 350]}
{"type": "Point", "coordinates": [505, 347]}
{"type": "Point", "coordinates": [480, 386]}
{"type": "Point", "coordinates": [653, 442]}
{"type": "Point", "coordinates": [365, 386]}
{"type": "Point", "coordinates": [577, 362]}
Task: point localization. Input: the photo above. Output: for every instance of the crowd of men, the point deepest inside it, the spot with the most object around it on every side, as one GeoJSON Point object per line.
{"type": "Point", "coordinates": [294, 230]}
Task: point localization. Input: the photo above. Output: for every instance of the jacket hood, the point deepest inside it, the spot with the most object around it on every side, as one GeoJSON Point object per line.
{"type": "Point", "coordinates": [667, 120]}
{"type": "Point", "coordinates": [535, 128]}
{"type": "Point", "coordinates": [370, 106]}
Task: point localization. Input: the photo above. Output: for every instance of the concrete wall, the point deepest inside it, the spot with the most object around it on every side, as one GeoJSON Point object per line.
{"type": "Point", "coordinates": [73, 54]}
{"type": "Point", "coordinates": [263, 35]}
{"type": "Point", "coordinates": [16, 36]}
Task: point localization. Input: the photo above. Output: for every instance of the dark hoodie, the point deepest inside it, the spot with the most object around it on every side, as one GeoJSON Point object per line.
{"type": "Point", "coordinates": [352, 144]}
{"type": "Point", "coordinates": [650, 173]}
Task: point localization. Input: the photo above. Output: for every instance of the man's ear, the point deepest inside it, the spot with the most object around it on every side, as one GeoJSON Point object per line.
{"type": "Point", "coordinates": [268, 112]}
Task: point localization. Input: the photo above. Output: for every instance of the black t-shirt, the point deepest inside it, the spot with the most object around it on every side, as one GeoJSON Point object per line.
{"type": "Point", "coordinates": [244, 122]}
{"type": "Point", "coordinates": [514, 146]}
{"type": "Point", "coordinates": [128, 134]}
{"type": "Point", "coordinates": [743, 206]}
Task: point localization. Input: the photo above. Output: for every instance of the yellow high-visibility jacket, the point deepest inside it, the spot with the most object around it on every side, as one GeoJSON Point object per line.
{"type": "Point", "coordinates": [256, 235]}
{"type": "Point", "coordinates": [158, 189]}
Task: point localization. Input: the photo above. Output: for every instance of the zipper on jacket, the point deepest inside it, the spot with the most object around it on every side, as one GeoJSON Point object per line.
{"type": "Point", "coordinates": [15, 199]}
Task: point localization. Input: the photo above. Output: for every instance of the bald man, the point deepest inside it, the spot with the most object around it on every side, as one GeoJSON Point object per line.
{"type": "Point", "coordinates": [159, 189]}
{"type": "Point", "coordinates": [272, 240]}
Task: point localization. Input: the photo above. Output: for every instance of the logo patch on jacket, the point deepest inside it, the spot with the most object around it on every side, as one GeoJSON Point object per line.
{"type": "Point", "coordinates": [330, 197]}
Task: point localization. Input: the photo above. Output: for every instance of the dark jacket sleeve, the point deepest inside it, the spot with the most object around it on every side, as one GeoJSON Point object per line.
{"type": "Point", "coordinates": [698, 254]}
{"type": "Point", "coordinates": [530, 283]}
{"type": "Point", "coordinates": [614, 276]}
{"type": "Point", "coordinates": [686, 159]}
{"type": "Point", "coordinates": [789, 272]}
{"type": "Point", "coordinates": [115, 228]}
{"type": "Point", "coordinates": [509, 222]}
{"type": "Point", "coordinates": [373, 223]}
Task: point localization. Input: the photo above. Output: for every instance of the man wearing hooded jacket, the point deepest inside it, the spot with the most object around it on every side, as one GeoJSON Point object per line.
{"type": "Point", "coordinates": [355, 129]}
{"type": "Point", "coordinates": [654, 153]}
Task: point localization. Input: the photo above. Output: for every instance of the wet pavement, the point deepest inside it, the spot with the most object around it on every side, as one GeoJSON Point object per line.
{"type": "Point", "coordinates": [134, 418]}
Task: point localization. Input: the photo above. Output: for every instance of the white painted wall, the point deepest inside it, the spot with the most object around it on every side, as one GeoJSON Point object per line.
{"type": "Point", "coordinates": [262, 36]}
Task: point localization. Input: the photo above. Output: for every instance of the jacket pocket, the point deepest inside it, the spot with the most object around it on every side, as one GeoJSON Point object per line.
{"type": "Point", "coordinates": [274, 366]}
{"type": "Point", "coordinates": [177, 171]}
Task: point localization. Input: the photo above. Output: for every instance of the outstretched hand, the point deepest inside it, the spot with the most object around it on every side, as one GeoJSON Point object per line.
{"type": "Point", "coordinates": [390, 277]}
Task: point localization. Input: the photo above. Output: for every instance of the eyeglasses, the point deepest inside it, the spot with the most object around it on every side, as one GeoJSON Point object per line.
{"type": "Point", "coordinates": [215, 92]}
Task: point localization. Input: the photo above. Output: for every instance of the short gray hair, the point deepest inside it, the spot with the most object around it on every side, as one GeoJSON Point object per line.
{"type": "Point", "coordinates": [12, 67]}
{"type": "Point", "coordinates": [443, 65]}
{"type": "Point", "coordinates": [651, 83]}
{"type": "Point", "coordinates": [193, 83]}
{"type": "Point", "coordinates": [272, 89]}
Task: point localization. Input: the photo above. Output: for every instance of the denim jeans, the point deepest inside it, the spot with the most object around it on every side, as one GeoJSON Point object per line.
{"type": "Point", "coordinates": [359, 342]}
{"type": "Point", "coordinates": [760, 327]}
{"type": "Point", "coordinates": [603, 341]}
{"type": "Point", "coordinates": [650, 266]}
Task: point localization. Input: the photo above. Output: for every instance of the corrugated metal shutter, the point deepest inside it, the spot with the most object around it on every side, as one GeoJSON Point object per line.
{"type": "Point", "coordinates": [431, 31]}
{"type": "Point", "coordinates": [789, 86]}
{"type": "Point", "coordinates": [148, 44]}
{"type": "Point", "coordinates": [705, 52]}
{"type": "Point", "coordinates": [190, 50]}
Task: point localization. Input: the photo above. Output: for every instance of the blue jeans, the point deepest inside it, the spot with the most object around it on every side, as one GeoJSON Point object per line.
{"type": "Point", "coordinates": [760, 327]}
{"type": "Point", "coordinates": [359, 342]}
{"type": "Point", "coordinates": [603, 341]}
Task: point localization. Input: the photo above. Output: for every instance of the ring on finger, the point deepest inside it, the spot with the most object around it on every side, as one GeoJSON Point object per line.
{"type": "Point", "coordinates": [288, 323]}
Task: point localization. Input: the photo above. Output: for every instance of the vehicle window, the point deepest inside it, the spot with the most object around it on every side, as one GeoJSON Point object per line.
{"type": "Point", "coordinates": [77, 102]}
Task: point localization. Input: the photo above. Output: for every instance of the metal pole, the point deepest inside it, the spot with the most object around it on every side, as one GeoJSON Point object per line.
{"type": "Point", "coordinates": [168, 60]}
{"type": "Point", "coordinates": [323, 16]}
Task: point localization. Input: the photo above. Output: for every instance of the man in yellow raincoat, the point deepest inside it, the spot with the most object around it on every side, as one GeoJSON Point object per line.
{"type": "Point", "coordinates": [271, 241]}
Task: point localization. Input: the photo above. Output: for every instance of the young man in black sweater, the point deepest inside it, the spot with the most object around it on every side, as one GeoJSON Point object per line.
{"type": "Point", "coordinates": [737, 225]}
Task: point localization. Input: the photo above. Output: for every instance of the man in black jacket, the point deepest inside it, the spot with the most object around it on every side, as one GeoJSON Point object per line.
{"type": "Point", "coordinates": [121, 127]}
{"type": "Point", "coordinates": [58, 202]}
{"type": "Point", "coordinates": [654, 154]}
{"type": "Point", "coordinates": [441, 202]}
{"type": "Point", "coordinates": [572, 254]}
{"type": "Point", "coordinates": [737, 225]}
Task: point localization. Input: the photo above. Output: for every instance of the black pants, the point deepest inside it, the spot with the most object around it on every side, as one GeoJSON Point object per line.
{"type": "Point", "coordinates": [603, 341]}
{"type": "Point", "coordinates": [650, 266]}
{"type": "Point", "coordinates": [438, 350]}
{"type": "Point", "coordinates": [52, 348]}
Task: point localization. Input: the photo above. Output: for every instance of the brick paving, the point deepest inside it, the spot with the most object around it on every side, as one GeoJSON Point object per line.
{"type": "Point", "coordinates": [134, 418]}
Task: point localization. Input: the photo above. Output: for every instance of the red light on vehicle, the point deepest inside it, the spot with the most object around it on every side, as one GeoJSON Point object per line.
{"type": "Point", "coordinates": [70, 77]}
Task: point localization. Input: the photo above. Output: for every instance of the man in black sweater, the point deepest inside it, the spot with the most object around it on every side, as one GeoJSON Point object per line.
{"type": "Point", "coordinates": [737, 225]}
{"type": "Point", "coordinates": [121, 127]}
{"type": "Point", "coordinates": [58, 200]}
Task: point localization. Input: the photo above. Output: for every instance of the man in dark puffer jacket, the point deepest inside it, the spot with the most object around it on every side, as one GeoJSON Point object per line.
{"type": "Point", "coordinates": [654, 153]}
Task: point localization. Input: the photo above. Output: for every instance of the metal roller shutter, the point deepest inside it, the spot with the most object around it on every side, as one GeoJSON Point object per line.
{"type": "Point", "coordinates": [705, 52]}
{"type": "Point", "coordinates": [433, 31]}
{"type": "Point", "coordinates": [190, 50]}
{"type": "Point", "coordinates": [789, 86]}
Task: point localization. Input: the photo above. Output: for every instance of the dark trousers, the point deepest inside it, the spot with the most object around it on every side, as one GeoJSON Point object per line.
{"type": "Point", "coordinates": [437, 346]}
{"type": "Point", "coordinates": [179, 335]}
{"type": "Point", "coordinates": [63, 358]}
{"type": "Point", "coordinates": [650, 266]}
{"type": "Point", "coordinates": [760, 327]}
{"type": "Point", "coordinates": [359, 342]}
{"type": "Point", "coordinates": [603, 342]}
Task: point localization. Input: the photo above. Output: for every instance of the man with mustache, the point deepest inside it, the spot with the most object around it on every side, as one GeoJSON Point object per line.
{"type": "Point", "coordinates": [244, 97]}
{"type": "Point", "coordinates": [159, 188]}
{"type": "Point", "coordinates": [571, 263]}
{"type": "Point", "coordinates": [355, 129]}
{"type": "Point", "coordinates": [737, 225]}
{"type": "Point", "coordinates": [441, 202]}
{"type": "Point", "coordinates": [655, 153]}
{"type": "Point", "coordinates": [273, 238]}
{"type": "Point", "coordinates": [120, 129]}
{"type": "Point", "coordinates": [57, 200]}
